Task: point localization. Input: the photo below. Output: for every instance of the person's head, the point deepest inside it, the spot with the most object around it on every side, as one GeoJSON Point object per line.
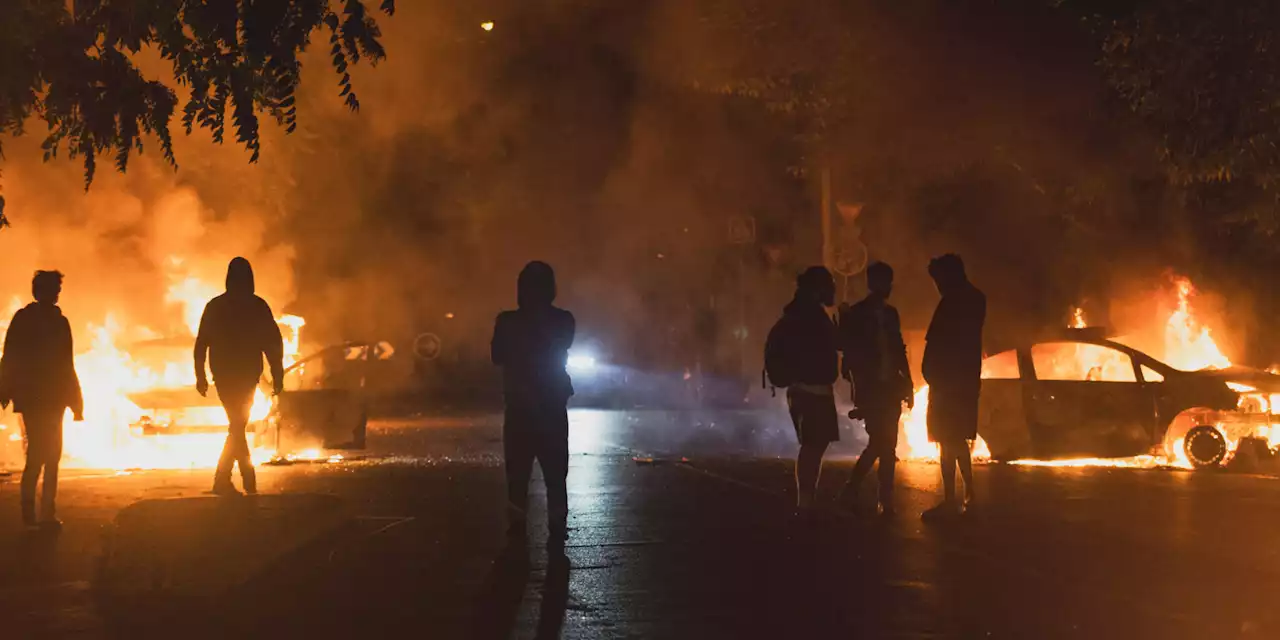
{"type": "Point", "coordinates": [947, 271]}
{"type": "Point", "coordinates": [880, 279]}
{"type": "Point", "coordinates": [46, 286]}
{"type": "Point", "coordinates": [536, 286]}
{"type": "Point", "coordinates": [239, 277]}
{"type": "Point", "coordinates": [816, 284]}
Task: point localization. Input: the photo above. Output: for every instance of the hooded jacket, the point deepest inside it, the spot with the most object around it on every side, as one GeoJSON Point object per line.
{"type": "Point", "coordinates": [531, 344]}
{"type": "Point", "coordinates": [236, 330]}
{"type": "Point", "coordinates": [37, 371]}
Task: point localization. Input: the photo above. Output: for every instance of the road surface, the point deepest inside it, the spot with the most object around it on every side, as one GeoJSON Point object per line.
{"type": "Point", "coordinates": [409, 541]}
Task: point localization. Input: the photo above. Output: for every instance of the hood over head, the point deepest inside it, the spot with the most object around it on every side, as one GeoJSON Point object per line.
{"type": "Point", "coordinates": [536, 286]}
{"type": "Point", "coordinates": [240, 277]}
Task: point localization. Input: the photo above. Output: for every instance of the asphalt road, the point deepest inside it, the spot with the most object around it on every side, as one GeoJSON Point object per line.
{"type": "Point", "coordinates": [703, 548]}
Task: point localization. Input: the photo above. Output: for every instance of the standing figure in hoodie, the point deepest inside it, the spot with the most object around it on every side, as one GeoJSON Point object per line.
{"type": "Point", "coordinates": [236, 331]}
{"type": "Point", "coordinates": [37, 373]}
{"type": "Point", "coordinates": [531, 344]}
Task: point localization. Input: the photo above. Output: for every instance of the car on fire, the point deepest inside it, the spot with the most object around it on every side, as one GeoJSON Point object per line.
{"type": "Point", "coordinates": [1078, 393]}
{"type": "Point", "coordinates": [323, 405]}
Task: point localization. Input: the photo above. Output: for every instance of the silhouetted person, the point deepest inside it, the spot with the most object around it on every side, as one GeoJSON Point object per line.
{"type": "Point", "coordinates": [38, 374]}
{"type": "Point", "coordinates": [875, 361]}
{"type": "Point", "coordinates": [236, 331]}
{"type": "Point", "coordinates": [801, 354]}
{"type": "Point", "coordinates": [531, 344]}
{"type": "Point", "coordinates": [953, 369]}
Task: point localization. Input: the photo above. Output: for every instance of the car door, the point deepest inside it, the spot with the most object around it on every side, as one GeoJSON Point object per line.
{"type": "Point", "coordinates": [1002, 421]}
{"type": "Point", "coordinates": [1085, 399]}
{"type": "Point", "coordinates": [323, 404]}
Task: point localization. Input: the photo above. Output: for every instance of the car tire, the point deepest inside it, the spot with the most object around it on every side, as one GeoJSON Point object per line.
{"type": "Point", "coordinates": [1205, 447]}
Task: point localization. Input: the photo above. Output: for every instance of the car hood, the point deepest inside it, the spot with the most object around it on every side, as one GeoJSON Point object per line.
{"type": "Point", "coordinates": [1257, 378]}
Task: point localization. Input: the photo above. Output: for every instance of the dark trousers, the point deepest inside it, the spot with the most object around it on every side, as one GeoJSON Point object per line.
{"type": "Point", "coordinates": [540, 434]}
{"type": "Point", "coordinates": [44, 452]}
{"type": "Point", "coordinates": [882, 430]}
{"type": "Point", "coordinates": [237, 400]}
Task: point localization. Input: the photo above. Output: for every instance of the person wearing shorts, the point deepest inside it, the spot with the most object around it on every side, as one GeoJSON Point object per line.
{"type": "Point", "coordinates": [815, 357]}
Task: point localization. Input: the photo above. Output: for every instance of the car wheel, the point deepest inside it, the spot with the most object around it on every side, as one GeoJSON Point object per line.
{"type": "Point", "coordinates": [1205, 447]}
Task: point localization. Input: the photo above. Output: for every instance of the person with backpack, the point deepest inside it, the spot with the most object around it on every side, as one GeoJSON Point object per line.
{"type": "Point", "coordinates": [875, 362]}
{"type": "Point", "coordinates": [801, 355]}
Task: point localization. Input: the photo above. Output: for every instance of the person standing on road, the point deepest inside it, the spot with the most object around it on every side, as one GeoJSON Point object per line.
{"type": "Point", "coordinates": [875, 362]}
{"type": "Point", "coordinates": [802, 355]}
{"type": "Point", "coordinates": [236, 330]}
{"type": "Point", "coordinates": [953, 370]}
{"type": "Point", "coordinates": [38, 374]}
{"type": "Point", "coordinates": [531, 345]}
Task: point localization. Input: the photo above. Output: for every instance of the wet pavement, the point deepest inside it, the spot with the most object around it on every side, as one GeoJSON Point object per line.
{"type": "Point", "coordinates": [659, 547]}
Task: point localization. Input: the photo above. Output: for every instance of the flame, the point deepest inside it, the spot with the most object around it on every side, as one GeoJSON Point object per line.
{"type": "Point", "coordinates": [1077, 318]}
{"type": "Point", "coordinates": [109, 437]}
{"type": "Point", "coordinates": [1188, 345]}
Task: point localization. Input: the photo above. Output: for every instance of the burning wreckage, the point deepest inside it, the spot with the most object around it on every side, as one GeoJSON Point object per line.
{"type": "Point", "coordinates": [1079, 394]}
{"type": "Point", "coordinates": [1080, 397]}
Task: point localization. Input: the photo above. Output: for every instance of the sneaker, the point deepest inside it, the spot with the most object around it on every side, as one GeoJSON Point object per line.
{"type": "Point", "coordinates": [51, 525]}
{"type": "Point", "coordinates": [225, 490]}
{"type": "Point", "coordinates": [941, 511]}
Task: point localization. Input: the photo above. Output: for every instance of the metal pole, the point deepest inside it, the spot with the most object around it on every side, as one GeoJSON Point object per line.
{"type": "Point", "coordinates": [826, 218]}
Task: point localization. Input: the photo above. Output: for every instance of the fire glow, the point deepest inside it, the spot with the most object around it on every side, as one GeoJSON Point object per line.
{"type": "Point", "coordinates": [1188, 345]}
{"type": "Point", "coordinates": [109, 437]}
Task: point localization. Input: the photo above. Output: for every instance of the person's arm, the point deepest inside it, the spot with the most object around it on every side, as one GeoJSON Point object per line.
{"type": "Point", "coordinates": [898, 351]}
{"type": "Point", "coordinates": [9, 360]}
{"type": "Point", "coordinates": [273, 348]}
{"type": "Point", "coordinates": [201, 351]}
{"type": "Point", "coordinates": [76, 399]}
{"type": "Point", "coordinates": [499, 347]}
{"type": "Point", "coordinates": [568, 332]}
{"type": "Point", "coordinates": [934, 344]}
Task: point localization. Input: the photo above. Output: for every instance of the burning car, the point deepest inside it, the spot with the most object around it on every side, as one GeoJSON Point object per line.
{"type": "Point", "coordinates": [1079, 393]}
{"type": "Point", "coordinates": [323, 405]}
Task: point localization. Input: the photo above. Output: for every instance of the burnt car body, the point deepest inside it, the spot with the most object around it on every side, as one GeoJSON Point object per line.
{"type": "Point", "coordinates": [323, 405]}
{"type": "Point", "coordinates": [1038, 401]}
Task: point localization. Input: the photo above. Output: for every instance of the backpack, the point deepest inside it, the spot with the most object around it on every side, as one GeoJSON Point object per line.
{"type": "Point", "coordinates": [779, 355]}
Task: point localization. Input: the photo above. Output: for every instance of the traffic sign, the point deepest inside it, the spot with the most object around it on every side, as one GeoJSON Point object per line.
{"type": "Point", "coordinates": [850, 258]}
{"type": "Point", "coordinates": [427, 346]}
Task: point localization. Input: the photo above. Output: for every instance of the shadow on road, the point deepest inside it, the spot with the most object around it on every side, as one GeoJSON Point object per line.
{"type": "Point", "coordinates": [498, 605]}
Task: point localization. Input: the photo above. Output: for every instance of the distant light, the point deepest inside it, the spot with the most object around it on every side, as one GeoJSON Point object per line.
{"type": "Point", "coordinates": [487, 26]}
{"type": "Point", "coordinates": [448, 316]}
{"type": "Point", "coordinates": [581, 362]}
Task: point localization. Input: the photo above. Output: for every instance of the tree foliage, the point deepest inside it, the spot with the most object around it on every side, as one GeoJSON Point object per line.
{"type": "Point", "coordinates": [1205, 75]}
{"type": "Point", "coordinates": [72, 65]}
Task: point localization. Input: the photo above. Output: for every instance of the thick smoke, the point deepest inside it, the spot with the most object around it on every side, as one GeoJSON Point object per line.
{"type": "Point", "coordinates": [618, 141]}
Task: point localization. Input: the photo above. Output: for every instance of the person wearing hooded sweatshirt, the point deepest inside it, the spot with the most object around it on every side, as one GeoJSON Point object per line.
{"type": "Point", "coordinates": [953, 369]}
{"type": "Point", "coordinates": [37, 373]}
{"type": "Point", "coordinates": [531, 344]}
{"type": "Point", "coordinates": [236, 330]}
